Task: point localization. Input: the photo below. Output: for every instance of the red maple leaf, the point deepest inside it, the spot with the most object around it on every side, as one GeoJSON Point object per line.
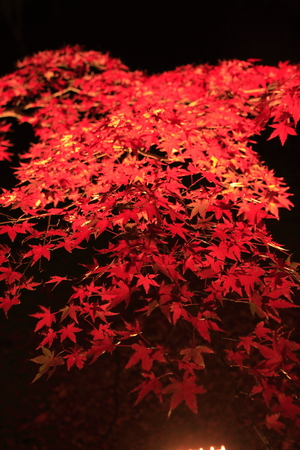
{"type": "Point", "coordinates": [178, 311]}
{"type": "Point", "coordinates": [29, 284]}
{"type": "Point", "coordinates": [273, 422]}
{"type": "Point", "coordinates": [69, 332]}
{"type": "Point", "coordinates": [37, 251]}
{"type": "Point", "coordinates": [273, 357]}
{"type": "Point", "coordinates": [48, 340]}
{"type": "Point", "coordinates": [178, 229]}
{"type": "Point", "coordinates": [195, 354]}
{"type": "Point", "coordinates": [184, 391]}
{"type": "Point", "coordinates": [237, 357]}
{"type": "Point", "coordinates": [119, 294]}
{"type": "Point", "coordinates": [146, 281]}
{"type": "Point", "coordinates": [56, 279]}
{"type": "Point", "coordinates": [9, 275]}
{"type": "Point", "coordinates": [247, 343]}
{"type": "Point", "coordinates": [46, 318]}
{"type": "Point", "coordinates": [282, 130]}
{"type": "Point", "coordinates": [261, 331]}
{"type": "Point", "coordinates": [152, 384]}
{"type": "Point", "coordinates": [202, 324]}
{"type": "Point", "coordinates": [99, 347]}
{"type": "Point", "coordinates": [281, 303]}
{"type": "Point", "coordinates": [287, 407]}
{"type": "Point", "coordinates": [71, 311]}
{"type": "Point", "coordinates": [9, 230]}
{"type": "Point", "coordinates": [146, 355]}
{"type": "Point", "coordinates": [77, 357]}
{"type": "Point", "coordinates": [95, 310]}
{"type": "Point", "coordinates": [7, 302]}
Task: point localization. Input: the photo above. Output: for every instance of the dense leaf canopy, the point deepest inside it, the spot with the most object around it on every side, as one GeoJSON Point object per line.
{"type": "Point", "coordinates": [157, 179]}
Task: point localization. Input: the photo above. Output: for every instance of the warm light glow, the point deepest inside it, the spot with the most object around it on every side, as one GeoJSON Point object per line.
{"type": "Point", "coordinates": [213, 448]}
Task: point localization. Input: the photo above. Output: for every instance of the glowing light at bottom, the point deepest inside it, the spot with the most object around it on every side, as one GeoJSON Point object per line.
{"type": "Point", "coordinates": [212, 448]}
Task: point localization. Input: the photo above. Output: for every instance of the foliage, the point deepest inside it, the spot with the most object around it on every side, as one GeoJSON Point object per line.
{"type": "Point", "coordinates": [155, 178]}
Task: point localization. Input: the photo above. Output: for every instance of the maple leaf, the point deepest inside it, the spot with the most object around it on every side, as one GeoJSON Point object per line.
{"type": "Point", "coordinates": [178, 311]}
{"type": "Point", "coordinates": [101, 346]}
{"type": "Point", "coordinates": [95, 310]}
{"type": "Point", "coordinates": [48, 362]}
{"type": "Point", "coordinates": [4, 154]}
{"type": "Point", "coordinates": [80, 292]}
{"type": "Point", "coordinates": [146, 355]}
{"type": "Point", "coordinates": [46, 318]}
{"type": "Point", "coordinates": [273, 422]}
{"type": "Point", "coordinates": [185, 390]}
{"type": "Point", "coordinates": [273, 357]}
{"type": "Point", "coordinates": [103, 331]}
{"type": "Point", "coordinates": [281, 303]}
{"type": "Point", "coordinates": [69, 332]}
{"type": "Point", "coordinates": [253, 212]}
{"type": "Point", "coordinates": [165, 293]}
{"type": "Point", "coordinates": [132, 330]}
{"type": "Point", "coordinates": [264, 115]}
{"type": "Point", "coordinates": [268, 390]}
{"type": "Point", "coordinates": [152, 384]}
{"type": "Point", "coordinates": [248, 280]}
{"type": "Point", "coordinates": [120, 294]}
{"type": "Point", "coordinates": [282, 130]}
{"type": "Point", "coordinates": [219, 251]}
{"type": "Point", "coordinates": [168, 265]}
{"type": "Point", "coordinates": [237, 357]}
{"type": "Point", "coordinates": [256, 305]}
{"type": "Point", "coordinates": [37, 251]}
{"type": "Point", "coordinates": [177, 229]}
{"type": "Point", "coordinates": [9, 230]}
{"type": "Point", "coordinates": [29, 284]}
{"type": "Point", "coordinates": [287, 407]}
{"type": "Point", "coordinates": [262, 332]}
{"type": "Point", "coordinates": [195, 354]}
{"type": "Point", "coordinates": [48, 340]}
{"type": "Point", "coordinates": [77, 357]}
{"type": "Point", "coordinates": [9, 275]}
{"type": "Point", "coordinates": [146, 281]}
{"type": "Point", "coordinates": [247, 343]}
{"type": "Point", "coordinates": [7, 302]}
{"type": "Point", "coordinates": [199, 207]}
{"type": "Point", "coordinates": [70, 311]}
{"type": "Point", "coordinates": [56, 279]}
{"type": "Point", "coordinates": [222, 208]}
{"type": "Point", "coordinates": [189, 263]}
{"type": "Point", "coordinates": [69, 244]}
{"type": "Point", "coordinates": [202, 325]}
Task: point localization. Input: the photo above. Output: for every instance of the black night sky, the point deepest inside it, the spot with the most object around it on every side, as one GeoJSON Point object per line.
{"type": "Point", "coordinates": [152, 36]}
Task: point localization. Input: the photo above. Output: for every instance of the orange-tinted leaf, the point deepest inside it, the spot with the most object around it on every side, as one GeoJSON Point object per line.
{"type": "Point", "coordinates": [48, 362]}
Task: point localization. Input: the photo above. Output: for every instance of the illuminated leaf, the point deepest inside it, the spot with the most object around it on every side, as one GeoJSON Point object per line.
{"type": "Point", "coordinates": [48, 362]}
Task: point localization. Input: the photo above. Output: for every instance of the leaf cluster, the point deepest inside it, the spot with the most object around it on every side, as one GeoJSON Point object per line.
{"type": "Point", "coordinates": [157, 179]}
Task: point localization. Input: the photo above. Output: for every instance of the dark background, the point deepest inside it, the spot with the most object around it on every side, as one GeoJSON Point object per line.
{"type": "Point", "coordinates": [156, 35]}
{"type": "Point", "coordinates": [90, 409]}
